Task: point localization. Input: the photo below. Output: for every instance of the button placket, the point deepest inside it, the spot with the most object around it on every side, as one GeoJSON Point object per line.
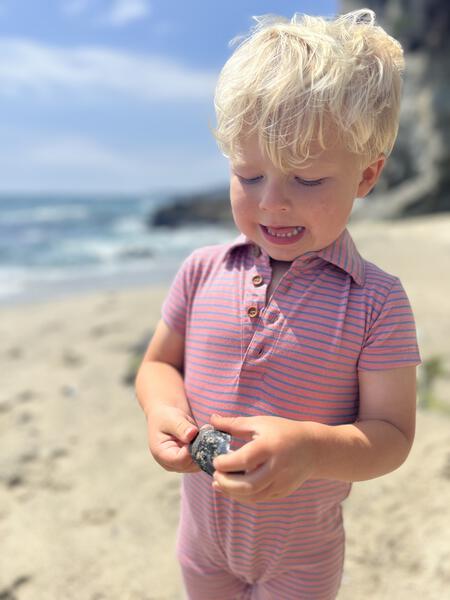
{"type": "Point", "coordinates": [255, 295]}
{"type": "Point", "coordinates": [254, 301]}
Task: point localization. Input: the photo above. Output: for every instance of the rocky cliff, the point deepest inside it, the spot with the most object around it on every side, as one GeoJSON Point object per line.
{"type": "Point", "coordinates": [211, 207]}
{"type": "Point", "coordinates": [417, 176]}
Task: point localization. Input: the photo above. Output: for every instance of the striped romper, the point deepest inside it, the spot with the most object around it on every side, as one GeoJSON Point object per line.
{"type": "Point", "coordinates": [295, 356]}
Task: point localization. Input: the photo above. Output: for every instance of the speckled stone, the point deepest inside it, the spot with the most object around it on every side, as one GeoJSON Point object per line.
{"type": "Point", "coordinates": [208, 444]}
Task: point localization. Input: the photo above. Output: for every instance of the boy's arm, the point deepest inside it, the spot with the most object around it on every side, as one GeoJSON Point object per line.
{"type": "Point", "coordinates": [160, 392]}
{"type": "Point", "coordinates": [380, 440]}
{"type": "Point", "coordinates": [282, 454]}
{"type": "Point", "coordinates": [159, 378]}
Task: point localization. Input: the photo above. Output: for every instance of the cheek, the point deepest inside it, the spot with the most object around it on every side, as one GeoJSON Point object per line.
{"type": "Point", "coordinates": [320, 208]}
{"type": "Point", "coordinates": [330, 207]}
{"type": "Point", "coordinates": [240, 203]}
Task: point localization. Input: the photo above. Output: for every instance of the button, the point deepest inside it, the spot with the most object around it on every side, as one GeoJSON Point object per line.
{"type": "Point", "coordinates": [257, 280]}
{"type": "Point", "coordinates": [252, 312]}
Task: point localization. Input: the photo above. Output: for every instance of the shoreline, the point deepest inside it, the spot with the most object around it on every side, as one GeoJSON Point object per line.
{"type": "Point", "coordinates": [144, 277]}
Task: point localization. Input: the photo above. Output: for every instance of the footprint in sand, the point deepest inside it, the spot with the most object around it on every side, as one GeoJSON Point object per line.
{"type": "Point", "coordinates": [445, 471]}
{"type": "Point", "coordinates": [9, 593]}
{"type": "Point", "coordinates": [104, 329]}
{"type": "Point", "coordinates": [5, 406]}
{"type": "Point", "coordinates": [24, 418]}
{"type": "Point", "coordinates": [98, 516]}
{"type": "Point", "coordinates": [71, 358]}
{"type": "Point", "coordinates": [15, 480]}
{"type": "Point", "coordinates": [26, 396]}
{"type": "Point", "coordinates": [14, 353]}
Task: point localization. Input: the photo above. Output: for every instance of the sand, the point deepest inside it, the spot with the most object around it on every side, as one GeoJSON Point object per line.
{"type": "Point", "coordinates": [86, 514]}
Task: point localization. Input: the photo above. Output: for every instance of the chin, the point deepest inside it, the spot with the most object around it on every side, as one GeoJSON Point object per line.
{"type": "Point", "coordinates": [283, 256]}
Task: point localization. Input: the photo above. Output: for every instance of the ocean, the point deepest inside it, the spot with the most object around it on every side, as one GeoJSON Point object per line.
{"type": "Point", "coordinates": [52, 246]}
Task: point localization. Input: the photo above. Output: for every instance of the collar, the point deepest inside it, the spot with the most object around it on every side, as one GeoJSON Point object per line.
{"type": "Point", "coordinates": [342, 253]}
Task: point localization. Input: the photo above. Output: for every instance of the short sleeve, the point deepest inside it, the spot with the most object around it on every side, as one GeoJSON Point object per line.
{"type": "Point", "coordinates": [391, 340]}
{"type": "Point", "coordinates": [176, 305]}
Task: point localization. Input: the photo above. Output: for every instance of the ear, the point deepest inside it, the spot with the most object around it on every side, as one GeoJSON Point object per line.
{"type": "Point", "coordinates": [370, 176]}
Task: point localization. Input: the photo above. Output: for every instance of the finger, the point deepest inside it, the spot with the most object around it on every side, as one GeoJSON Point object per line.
{"type": "Point", "coordinates": [177, 459]}
{"type": "Point", "coordinates": [244, 485]}
{"type": "Point", "coordinates": [180, 427]}
{"type": "Point", "coordinates": [265, 495]}
{"type": "Point", "coordinates": [238, 426]}
{"type": "Point", "coordinates": [262, 495]}
{"type": "Point", "coordinates": [249, 457]}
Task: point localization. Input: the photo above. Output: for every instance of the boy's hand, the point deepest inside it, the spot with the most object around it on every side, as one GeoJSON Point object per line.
{"type": "Point", "coordinates": [277, 459]}
{"type": "Point", "coordinates": [170, 430]}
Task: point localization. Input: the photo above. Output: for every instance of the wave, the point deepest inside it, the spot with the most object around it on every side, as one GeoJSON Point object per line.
{"type": "Point", "coordinates": [48, 243]}
{"type": "Point", "coordinates": [44, 214]}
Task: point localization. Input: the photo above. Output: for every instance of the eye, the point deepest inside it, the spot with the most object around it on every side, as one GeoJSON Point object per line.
{"type": "Point", "coordinates": [249, 180]}
{"type": "Point", "coordinates": [309, 182]}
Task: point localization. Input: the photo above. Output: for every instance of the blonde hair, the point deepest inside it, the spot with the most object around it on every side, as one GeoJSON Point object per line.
{"type": "Point", "coordinates": [311, 81]}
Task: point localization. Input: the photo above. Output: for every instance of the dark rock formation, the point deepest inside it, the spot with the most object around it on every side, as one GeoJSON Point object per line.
{"type": "Point", "coordinates": [207, 208]}
{"type": "Point", "coordinates": [416, 179]}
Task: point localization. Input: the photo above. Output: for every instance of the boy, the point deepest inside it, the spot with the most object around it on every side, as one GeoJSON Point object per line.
{"type": "Point", "coordinates": [306, 350]}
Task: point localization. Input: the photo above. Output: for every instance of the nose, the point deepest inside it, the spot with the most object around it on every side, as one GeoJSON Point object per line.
{"type": "Point", "coordinates": [273, 198]}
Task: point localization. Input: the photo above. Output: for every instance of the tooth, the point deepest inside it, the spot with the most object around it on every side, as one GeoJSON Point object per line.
{"type": "Point", "coordinates": [295, 231]}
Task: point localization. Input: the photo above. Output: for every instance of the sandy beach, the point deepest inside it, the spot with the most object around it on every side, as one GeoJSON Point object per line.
{"type": "Point", "coordinates": [86, 514]}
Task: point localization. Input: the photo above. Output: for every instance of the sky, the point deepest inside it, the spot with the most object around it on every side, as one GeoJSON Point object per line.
{"type": "Point", "coordinates": [116, 96]}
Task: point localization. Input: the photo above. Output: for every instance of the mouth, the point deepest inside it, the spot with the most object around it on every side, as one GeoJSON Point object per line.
{"type": "Point", "coordinates": [283, 235]}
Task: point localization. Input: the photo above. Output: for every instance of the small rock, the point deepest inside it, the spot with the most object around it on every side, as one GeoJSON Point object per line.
{"type": "Point", "coordinates": [69, 391]}
{"type": "Point", "coordinates": [208, 444]}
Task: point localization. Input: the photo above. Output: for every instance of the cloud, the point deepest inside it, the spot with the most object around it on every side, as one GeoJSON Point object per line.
{"type": "Point", "coordinates": [81, 163]}
{"type": "Point", "coordinates": [123, 12]}
{"type": "Point", "coordinates": [75, 7]}
{"type": "Point", "coordinates": [73, 151]}
{"type": "Point", "coordinates": [118, 13]}
{"type": "Point", "coordinates": [30, 66]}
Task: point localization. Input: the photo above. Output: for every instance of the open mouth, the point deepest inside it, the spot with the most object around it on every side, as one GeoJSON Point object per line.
{"type": "Point", "coordinates": [282, 235]}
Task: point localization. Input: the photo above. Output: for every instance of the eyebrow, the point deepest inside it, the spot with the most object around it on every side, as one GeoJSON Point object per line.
{"type": "Point", "coordinates": [236, 164]}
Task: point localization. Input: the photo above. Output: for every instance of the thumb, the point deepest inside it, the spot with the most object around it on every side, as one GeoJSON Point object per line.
{"type": "Point", "coordinates": [239, 426]}
{"type": "Point", "coordinates": [184, 430]}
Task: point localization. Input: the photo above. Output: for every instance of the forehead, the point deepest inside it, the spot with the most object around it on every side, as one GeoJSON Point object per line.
{"type": "Point", "coordinates": [250, 153]}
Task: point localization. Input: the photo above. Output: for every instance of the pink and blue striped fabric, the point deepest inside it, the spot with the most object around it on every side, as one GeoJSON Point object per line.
{"type": "Point", "coordinates": [296, 356]}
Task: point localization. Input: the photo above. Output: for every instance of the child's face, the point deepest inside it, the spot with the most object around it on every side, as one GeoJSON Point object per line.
{"type": "Point", "coordinates": [288, 215]}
